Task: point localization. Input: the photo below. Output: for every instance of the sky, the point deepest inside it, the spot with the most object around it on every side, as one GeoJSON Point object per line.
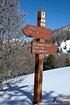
{"type": "Point", "coordinates": [57, 12]}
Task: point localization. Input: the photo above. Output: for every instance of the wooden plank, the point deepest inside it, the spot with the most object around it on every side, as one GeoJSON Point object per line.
{"type": "Point", "coordinates": [43, 48]}
{"type": "Point", "coordinates": [37, 32]}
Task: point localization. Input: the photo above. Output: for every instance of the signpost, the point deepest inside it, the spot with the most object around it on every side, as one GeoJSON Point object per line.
{"type": "Point", "coordinates": [39, 62]}
{"type": "Point", "coordinates": [39, 48]}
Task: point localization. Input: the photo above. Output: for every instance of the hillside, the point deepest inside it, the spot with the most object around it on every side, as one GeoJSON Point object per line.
{"type": "Point", "coordinates": [19, 91]}
{"type": "Point", "coordinates": [62, 33]}
{"type": "Point", "coordinates": [66, 27]}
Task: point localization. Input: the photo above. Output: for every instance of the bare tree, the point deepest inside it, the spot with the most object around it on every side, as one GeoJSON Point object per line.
{"type": "Point", "coordinates": [10, 22]}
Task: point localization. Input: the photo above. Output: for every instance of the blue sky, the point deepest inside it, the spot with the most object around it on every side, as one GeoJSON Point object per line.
{"type": "Point", "coordinates": [57, 11]}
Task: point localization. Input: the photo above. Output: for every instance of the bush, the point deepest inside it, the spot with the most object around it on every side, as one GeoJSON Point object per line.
{"type": "Point", "coordinates": [49, 62]}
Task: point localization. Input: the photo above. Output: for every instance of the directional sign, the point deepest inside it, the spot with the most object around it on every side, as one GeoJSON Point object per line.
{"type": "Point", "coordinates": [37, 32]}
{"type": "Point", "coordinates": [43, 48]}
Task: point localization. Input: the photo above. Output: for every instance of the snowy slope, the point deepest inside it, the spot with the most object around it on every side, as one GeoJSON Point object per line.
{"type": "Point", "coordinates": [19, 91]}
{"type": "Point", "coordinates": [65, 46]}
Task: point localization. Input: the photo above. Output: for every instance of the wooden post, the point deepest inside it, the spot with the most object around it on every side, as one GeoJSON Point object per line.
{"type": "Point", "coordinates": [39, 63]}
{"type": "Point", "coordinates": [38, 32]}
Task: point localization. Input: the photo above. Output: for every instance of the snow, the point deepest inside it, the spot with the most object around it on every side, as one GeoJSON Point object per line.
{"type": "Point", "coordinates": [68, 45]}
{"type": "Point", "coordinates": [19, 91]}
{"type": "Point", "coordinates": [65, 46]}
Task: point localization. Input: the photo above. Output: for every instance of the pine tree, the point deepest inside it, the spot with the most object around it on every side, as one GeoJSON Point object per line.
{"type": "Point", "coordinates": [50, 62]}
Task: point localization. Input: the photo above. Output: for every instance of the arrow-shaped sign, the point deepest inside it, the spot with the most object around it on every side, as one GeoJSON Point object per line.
{"type": "Point", "coordinates": [37, 32]}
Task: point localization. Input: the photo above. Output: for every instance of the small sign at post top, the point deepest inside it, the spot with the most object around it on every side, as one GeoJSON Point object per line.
{"type": "Point", "coordinates": [43, 48]}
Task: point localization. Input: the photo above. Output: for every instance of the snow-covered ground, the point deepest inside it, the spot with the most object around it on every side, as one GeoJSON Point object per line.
{"type": "Point", "coordinates": [19, 91]}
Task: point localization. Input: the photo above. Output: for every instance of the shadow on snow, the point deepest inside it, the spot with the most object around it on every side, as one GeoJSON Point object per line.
{"type": "Point", "coordinates": [27, 96]}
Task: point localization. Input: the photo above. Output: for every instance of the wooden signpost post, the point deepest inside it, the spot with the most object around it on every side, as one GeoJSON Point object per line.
{"type": "Point", "coordinates": [39, 62]}
{"type": "Point", "coordinates": [39, 48]}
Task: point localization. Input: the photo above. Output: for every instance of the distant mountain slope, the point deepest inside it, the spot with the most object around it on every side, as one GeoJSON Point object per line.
{"type": "Point", "coordinates": [66, 28]}
{"type": "Point", "coordinates": [62, 33]}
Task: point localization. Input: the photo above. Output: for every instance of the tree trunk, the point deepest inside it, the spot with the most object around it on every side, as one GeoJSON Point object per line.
{"type": "Point", "coordinates": [1, 86]}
